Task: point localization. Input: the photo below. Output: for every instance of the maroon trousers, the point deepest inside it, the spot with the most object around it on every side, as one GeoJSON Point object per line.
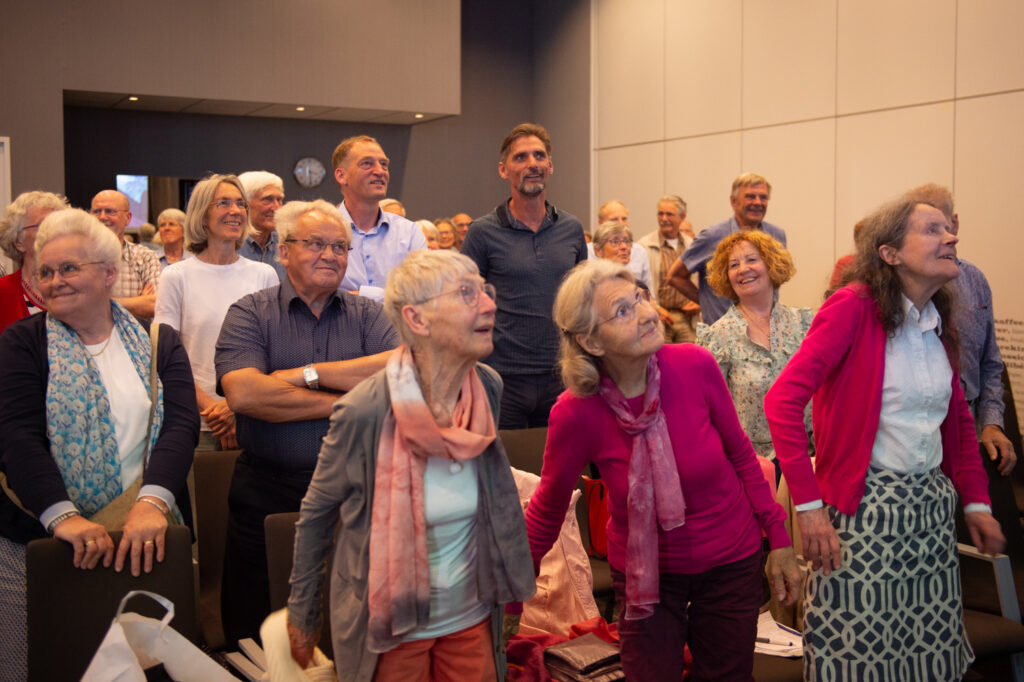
{"type": "Point", "coordinates": [715, 612]}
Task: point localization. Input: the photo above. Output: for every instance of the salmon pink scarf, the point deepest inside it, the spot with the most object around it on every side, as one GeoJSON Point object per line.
{"type": "Point", "coordinates": [655, 495]}
{"type": "Point", "coordinates": [399, 578]}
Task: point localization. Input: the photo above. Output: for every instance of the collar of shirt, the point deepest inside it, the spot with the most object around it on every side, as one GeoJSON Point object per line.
{"type": "Point", "coordinates": [382, 223]}
{"type": "Point", "coordinates": [925, 320]}
{"type": "Point", "coordinates": [272, 241]}
{"type": "Point", "coordinates": [289, 297]}
{"type": "Point", "coordinates": [506, 219]}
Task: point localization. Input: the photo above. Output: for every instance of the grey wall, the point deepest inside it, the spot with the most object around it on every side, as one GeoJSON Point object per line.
{"type": "Point", "coordinates": [438, 168]}
{"type": "Point", "coordinates": [384, 55]}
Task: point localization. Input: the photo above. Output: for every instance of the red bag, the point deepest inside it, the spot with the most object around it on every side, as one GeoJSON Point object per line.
{"type": "Point", "coordinates": [597, 516]}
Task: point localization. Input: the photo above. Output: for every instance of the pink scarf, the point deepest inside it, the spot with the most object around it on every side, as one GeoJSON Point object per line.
{"type": "Point", "coordinates": [399, 578]}
{"type": "Point", "coordinates": [654, 489]}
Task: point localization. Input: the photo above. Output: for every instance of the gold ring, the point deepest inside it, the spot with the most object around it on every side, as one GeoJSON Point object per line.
{"type": "Point", "coordinates": [90, 542]}
{"type": "Point", "coordinates": [148, 542]}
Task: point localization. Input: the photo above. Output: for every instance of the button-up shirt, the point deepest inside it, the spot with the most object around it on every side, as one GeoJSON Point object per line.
{"type": "Point", "coordinates": [274, 329]}
{"type": "Point", "coordinates": [981, 364]}
{"type": "Point", "coordinates": [374, 253]}
{"type": "Point", "coordinates": [252, 250]}
{"type": "Point", "coordinates": [137, 267]}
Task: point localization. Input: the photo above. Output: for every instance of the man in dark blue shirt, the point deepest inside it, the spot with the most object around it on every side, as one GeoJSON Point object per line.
{"type": "Point", "coordinates": [284, 355]}
{"type": "Point", "coordinates": [524, 247]}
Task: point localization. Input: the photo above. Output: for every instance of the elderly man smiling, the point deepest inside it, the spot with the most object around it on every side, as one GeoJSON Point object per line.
{"type": "Point", "coordinates": [284, 356]}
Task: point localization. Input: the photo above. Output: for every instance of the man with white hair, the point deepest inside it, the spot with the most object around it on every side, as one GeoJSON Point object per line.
{"type": "Point", "coordinates": [138, 269]}
{"type": "Point", "coordinates": [284, 355]}
{"type": "Point", "coordinates": [264, 192]}
{"type": "Point", "coordinates": [380, 240]}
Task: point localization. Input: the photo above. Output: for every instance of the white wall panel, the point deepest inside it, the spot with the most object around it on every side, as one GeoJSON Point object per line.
{"type": "Point", "coordinates": [701, 171]}
{"type": "Point", "coordinates": [630, 71]}
{"type": "Point", "coordinates": [881, 155]}
{"type": "Point", "coordinates": [799, 161]}
{"type": "Point", "coordinates": [990, 52]}
{"type": "Point", "coordinates": [789, 60]}
{"type": "Point", "coordinates": [702, 66]}
{"type": "Point", "coordinates": [989, 147]}
{"type": "Point", "coordinates": [894, 54]}
{"type": "Point", "coordinates": [634, 176]}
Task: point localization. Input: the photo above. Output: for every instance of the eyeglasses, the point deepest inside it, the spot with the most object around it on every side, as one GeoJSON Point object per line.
{"type": "Point", "coordinates": [67, 270]}
{"type": "Point", "coordinates": [470, 293]}
{"type": "Point", "coordinates": [626, 312]}
{"type": "Point", "coordinates": [224, 204]}
{"type": "Point", "coordinates": [106, 211]}
{"type": "Point", "coordinates": [318, 246]}
{"type": "Point", "coordinates": [620, 241]}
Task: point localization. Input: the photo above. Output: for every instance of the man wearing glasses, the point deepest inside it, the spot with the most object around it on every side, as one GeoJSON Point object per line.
{"type": "Point", "coordinates": [284, 355]}
{"type": "Point", "coordinates": [139, 268]}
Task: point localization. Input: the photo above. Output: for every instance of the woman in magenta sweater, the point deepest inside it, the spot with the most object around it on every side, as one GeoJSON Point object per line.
{"type": "Point", "coordinates": [687, 498]}
{"type": "Point", "coordinates": [894, 437]}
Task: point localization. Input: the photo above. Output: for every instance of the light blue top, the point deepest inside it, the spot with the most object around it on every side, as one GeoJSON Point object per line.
{"type": "Point", "coordinates": [374, 253]}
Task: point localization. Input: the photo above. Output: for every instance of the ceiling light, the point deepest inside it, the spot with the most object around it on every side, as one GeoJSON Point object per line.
{"type": "Point", "coordinates": [417, 115]}
{"type": "Point", "coordinates": [300, 108]}
{"type": "Point", "coordinates": [133, 98]}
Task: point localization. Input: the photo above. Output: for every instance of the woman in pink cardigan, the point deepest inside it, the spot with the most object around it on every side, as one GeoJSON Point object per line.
{"type": "Point", "coordinates": [687, 498]}
{"type": "Point", "coordinates": [894, 438]}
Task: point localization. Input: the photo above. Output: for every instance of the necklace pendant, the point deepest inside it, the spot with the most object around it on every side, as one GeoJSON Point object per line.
{"type": "Point", "coordinates": [454, 466]}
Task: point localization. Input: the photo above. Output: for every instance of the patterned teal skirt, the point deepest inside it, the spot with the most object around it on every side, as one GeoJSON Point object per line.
{"type": "Point", "coordinates": [894, 610]}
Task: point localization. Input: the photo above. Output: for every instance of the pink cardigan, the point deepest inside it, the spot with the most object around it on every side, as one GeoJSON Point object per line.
{"type": "Point", "coordinates": [728, 500]}
{"type": "Point", "coordinates": [842, 364]}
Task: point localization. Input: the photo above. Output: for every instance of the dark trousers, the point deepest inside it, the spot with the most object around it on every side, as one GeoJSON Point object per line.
{"type": "Point", "coordinates": [723, 608]}
{"type": "Point", "coordinates": [256, 491]}
{"type": "Point", "coordinates": [527, 399]}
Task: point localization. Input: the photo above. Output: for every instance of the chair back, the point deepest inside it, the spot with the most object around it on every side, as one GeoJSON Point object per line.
{"type": "Point", "coordinates": [525, 447]}
{"type": "Point", "coordinates": [70, 610]}
{"type": "Point", "coordinates": [212, 471]}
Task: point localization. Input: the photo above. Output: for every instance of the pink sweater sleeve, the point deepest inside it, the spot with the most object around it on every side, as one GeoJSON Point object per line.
{"type": "Point", "coordinates": [770, 514]}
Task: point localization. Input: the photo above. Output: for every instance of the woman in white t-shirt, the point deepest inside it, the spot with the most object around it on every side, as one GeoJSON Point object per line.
{"type": "Point", "coordinates": [195, 293]}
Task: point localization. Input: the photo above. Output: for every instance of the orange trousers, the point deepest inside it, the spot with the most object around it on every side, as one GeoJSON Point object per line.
{"type": "Point", "coordinates": [463, 656]}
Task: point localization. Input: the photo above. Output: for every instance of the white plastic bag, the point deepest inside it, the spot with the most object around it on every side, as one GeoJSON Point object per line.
{"type": "Point", "coordinates": [134, 643]}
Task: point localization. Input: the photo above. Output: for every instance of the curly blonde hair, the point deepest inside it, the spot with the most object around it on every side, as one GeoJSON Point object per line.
{"type": "Point", "coordinates": [775, 256]}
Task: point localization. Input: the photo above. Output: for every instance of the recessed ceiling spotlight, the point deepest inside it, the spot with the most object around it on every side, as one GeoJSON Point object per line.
{"type": "Point", "coordinates": [417, 115]}
{"type": "Point", "coordinates": [133, 98]}
{"type": "Point", "coordinates": [300, 108]}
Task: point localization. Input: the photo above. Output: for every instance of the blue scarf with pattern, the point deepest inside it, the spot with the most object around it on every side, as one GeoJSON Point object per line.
{"type": "Point", "coordinates": [78, 422]}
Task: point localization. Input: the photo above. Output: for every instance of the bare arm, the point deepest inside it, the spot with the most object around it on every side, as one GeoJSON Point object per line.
{"type": "Point", "coordinates": [679, 277]}
{"type": "Point", "coordinates": [255, 394]}
{"type": "Point", "coordinates": [340, 375]}
{"type": "Point", "coordinates": [140, 306]}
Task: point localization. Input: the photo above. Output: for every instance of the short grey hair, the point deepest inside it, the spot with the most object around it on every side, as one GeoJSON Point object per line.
{"type": "Point", "coordinates": [677, 200]}
{"type": "Point", "coordinates": [607, 230]}
{"type": "Point", "coordinates": [103, 244]}
{"type": "Point", "coordinates": [172, 215]}
{"type": "Point", "coordinates": [387, 201]}
{"type": "Point", "coordinates": [428, 226]}
{"type": "Point", "coordinates": [422, 275]}
{"type": "Point", "coordinates": [254, 181]}
{"type": "Point", "coordinates": [576, 315]}
{"type": "Point", "coordinates": [196, 236]}
{"type": "Point", "coordinates": [288, 215]}
{"type": "Point", "coordinates": [16, 217]}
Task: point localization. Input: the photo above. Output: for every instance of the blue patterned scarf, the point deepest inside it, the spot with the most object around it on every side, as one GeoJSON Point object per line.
{"type": "Point", "coordinates": [78, 423]}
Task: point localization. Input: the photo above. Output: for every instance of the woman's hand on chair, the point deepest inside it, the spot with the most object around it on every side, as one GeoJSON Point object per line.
{"type": "Point", "coordinates": [89, 540]}
{"type": "Point", "coordinates": [820, 542]}
{"type": "Point", "coordinates": [784, 575]}
{"type": "Point", "coordinates": [143, 537]}
{"type": "Point", "coordinates": [986, 534]}
{"type": "Point", "coordinates": [302, 644]}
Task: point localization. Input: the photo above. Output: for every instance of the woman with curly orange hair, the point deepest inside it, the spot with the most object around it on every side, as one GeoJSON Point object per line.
{"type": "Point", "coordinates": [755, 338]}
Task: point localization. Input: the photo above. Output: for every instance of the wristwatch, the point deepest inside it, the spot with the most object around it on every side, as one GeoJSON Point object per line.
{"type": "Point", "coordinates": [311, 377]}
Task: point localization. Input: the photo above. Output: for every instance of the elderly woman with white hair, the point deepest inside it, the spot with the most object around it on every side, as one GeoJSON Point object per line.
{"type": "Point", "coordinates": [170, 224]}
{"type": "Point", "coordinates": [687, 497]}
{"type": "Point", "coordinates": [195, 294]}
{"type": "Point", "coordinates": [613, 241]}
{"type": "Point", "coordinates": [19, 295]}
{"type": "Point", "coordinates": [430, 234]}
{"type": "Point", "coordinates": [84, 432]}
{"type": "Point", "coordinates": [431, 541]}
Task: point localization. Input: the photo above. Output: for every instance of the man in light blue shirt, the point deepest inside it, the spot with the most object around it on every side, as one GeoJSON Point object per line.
{"type": "Point", "coordinates": [749, 199]}
{"type": "Point", "coordinates": [265, 193]}
{"type": "Point", "coordinates": [380, 240]}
